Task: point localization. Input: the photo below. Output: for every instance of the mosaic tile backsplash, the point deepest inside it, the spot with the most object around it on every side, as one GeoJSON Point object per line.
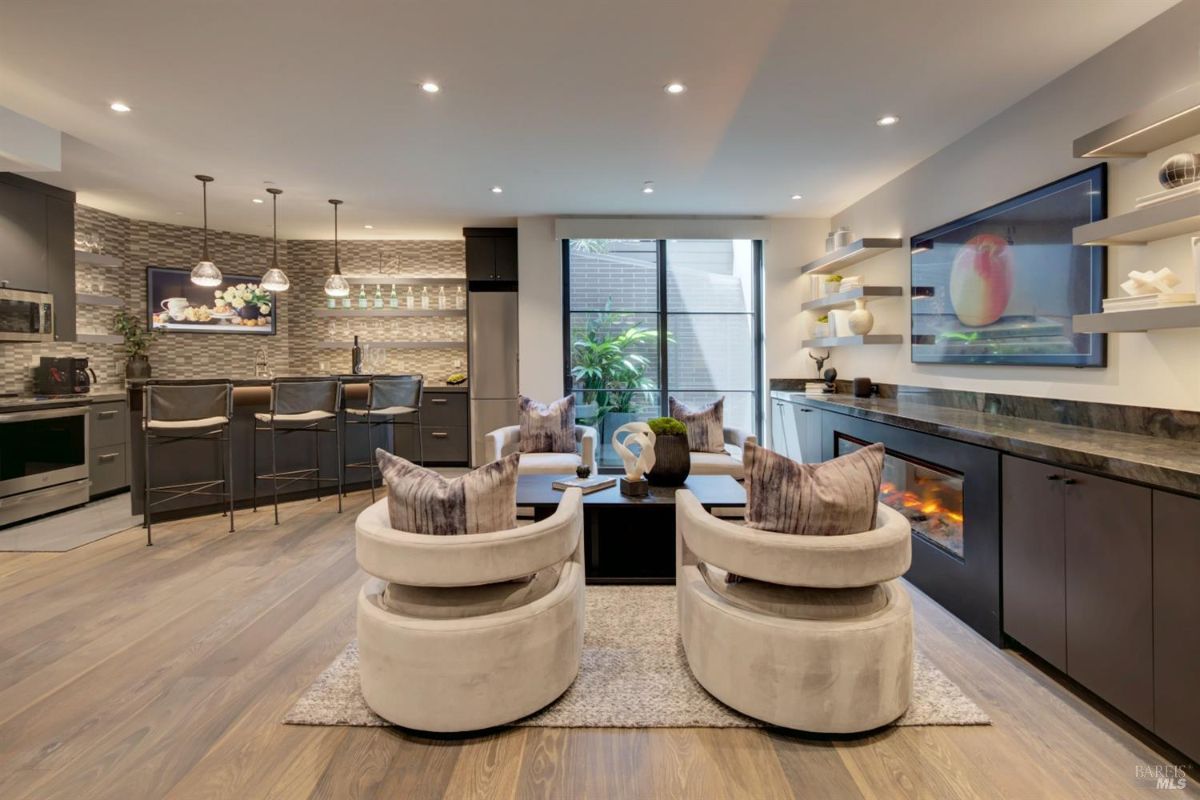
{"type": "Point", "coordinates": [297, 348]}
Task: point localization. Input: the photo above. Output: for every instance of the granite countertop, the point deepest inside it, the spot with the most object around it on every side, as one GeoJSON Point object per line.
{"type": "Point", "coordinates": [260, 381]}
{"type": "Point", "coordinates": [1153, 460]}
{"type": "Point", "coordinates": [99, 394]}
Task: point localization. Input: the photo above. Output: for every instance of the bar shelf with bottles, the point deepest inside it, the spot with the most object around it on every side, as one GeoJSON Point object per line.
{"type": "Point", "coordinates": [426, 299]}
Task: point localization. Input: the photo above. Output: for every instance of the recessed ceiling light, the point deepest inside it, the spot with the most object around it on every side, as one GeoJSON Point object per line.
{"type": "Point", "coordinates": [648, 187]}
{"type": "Point", "coordinates": [797, 197]}
{"type": "Point", "coordinates": [120, 107]}
{"type": "Point", "coordinates": [887, 120]}
{"type": "Point", "coordinates": [497, 189]}
{"type": "Point", "coordinates": [256, 200]}
{"type": "Point", "coordinates": [675, 87]}
{"type": "Point", "coordinates": [430, 87]}
{"type": "Point", "coordinates": [369, 227]}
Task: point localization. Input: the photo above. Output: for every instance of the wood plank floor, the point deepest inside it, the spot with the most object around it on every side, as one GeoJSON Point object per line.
{"type": "Point", "coordinates": [134, 672]}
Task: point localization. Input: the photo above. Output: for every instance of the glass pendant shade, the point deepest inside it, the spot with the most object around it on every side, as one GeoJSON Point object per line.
{"type": "Point", "coordinates": [336, 285]}
{"type": "Point", "coordinates": [274, 279]}
{"type": "Point", "coordinates": [205, 273]}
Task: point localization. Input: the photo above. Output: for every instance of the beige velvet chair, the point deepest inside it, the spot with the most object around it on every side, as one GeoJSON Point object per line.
{"type": "Point", "coordinates": [505, 441]}
{"type": "Point", "coordinates": [727, 463]}
{"type": "Point", "coordinates": [818, 639]}
{"type": "Point", "coordinates": [454, 635]}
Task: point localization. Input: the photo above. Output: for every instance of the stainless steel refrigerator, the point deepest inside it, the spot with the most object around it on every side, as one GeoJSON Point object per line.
{"type": "Point", "coordinates": [491, 365]}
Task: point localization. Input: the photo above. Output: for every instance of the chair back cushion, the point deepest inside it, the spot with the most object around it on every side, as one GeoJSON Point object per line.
{"type": "Point", "coordinates": [424, 602]}
{"type": "Point", "coordinates": [795, 602]}
{"type": "Point", "coordinates": [705, 426]}
{"type": "Point", "coordinates": [834, 497]}
{"type": "Point", "coordinates": [548, 428]}
{"type": "Point", "coordinates": [422, 501]}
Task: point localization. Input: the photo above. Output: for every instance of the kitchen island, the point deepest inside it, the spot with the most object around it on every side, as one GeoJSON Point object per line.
{"type": "Point", "coordinates": [444, 430]}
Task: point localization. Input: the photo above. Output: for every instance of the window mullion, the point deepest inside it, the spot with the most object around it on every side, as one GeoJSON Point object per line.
{"type": "Point", "coordinates": [663, 355]}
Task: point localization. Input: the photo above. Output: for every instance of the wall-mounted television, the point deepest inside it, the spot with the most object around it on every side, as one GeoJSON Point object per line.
{"type": "Point", "coordinates": [1000, 286]}
{"type": "Point", "coordinates": [238, 305]}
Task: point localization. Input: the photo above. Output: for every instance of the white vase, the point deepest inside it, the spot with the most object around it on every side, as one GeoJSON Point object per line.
{"type": "Point", "coordinates": [860, 320]}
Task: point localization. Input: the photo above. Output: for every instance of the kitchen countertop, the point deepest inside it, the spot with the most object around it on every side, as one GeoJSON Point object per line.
{"type": "Point", "coordinates": [24, 402]}
{"type": "Point", "coordinates": [257, 381]}
{"type": "Point", "coordinates": [1152, 460]}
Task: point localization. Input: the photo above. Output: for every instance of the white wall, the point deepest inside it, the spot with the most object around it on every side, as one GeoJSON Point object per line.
{"type": "Point", "coordinates": [539, 305]}
{"type": "Point", "coordinates": [1024, 147]}
{"type": "Point", "coordinates": [792, 242]}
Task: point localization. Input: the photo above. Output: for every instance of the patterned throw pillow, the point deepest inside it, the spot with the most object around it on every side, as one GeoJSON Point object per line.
{"type": "Point", "coordinates": [705, 426]}
{"type": "Point", "coordinates": [548, 429]}
{"type": "Point", "coordinates": [422, 501]}
{"type": "Point", "coordinates": [827, 499]}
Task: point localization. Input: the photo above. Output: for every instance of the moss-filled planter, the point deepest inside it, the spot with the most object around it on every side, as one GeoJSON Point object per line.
{"type": "Point", "coordinates": [672, 461]}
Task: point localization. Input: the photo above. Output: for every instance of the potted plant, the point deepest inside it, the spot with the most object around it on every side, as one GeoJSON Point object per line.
{"type": "Point", "coordinates": [833, 284]}
{"type": "Point", "coordinates": [821, 327]}
{"type": "Point", "coordinates": [137, 344]}
{"type": "Point", "coordinates": [672, 461]}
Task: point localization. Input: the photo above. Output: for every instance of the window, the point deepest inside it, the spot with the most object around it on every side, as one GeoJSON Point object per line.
{"type": "Point", "coordinates": [647, 319]}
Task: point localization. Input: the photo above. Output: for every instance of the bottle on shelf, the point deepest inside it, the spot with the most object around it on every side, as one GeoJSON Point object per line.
{"type": "Point", "coordinates": [393, 299]}
{"type": "Point", "coordinates": [378, 296]}
{"type": "Point", "coordinates": [410, 299]}
{"type": "Point", "coordinates": [346, 301]}
{"type": "Point", "coordinates": [356, 364]}
{"type": "Point", "coordinates": [362, 296]}
{"type": "Point", "coordinates": [442, 298]}
{"type": "Point", "coordinates": [425, 297]}
{"type": "Point", "coordinates": [332, 302]}
{"type": "Point", "coordinates": [460, 298]}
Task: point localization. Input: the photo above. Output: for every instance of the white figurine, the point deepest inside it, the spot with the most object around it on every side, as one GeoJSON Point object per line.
{"type": "Point", "coordinates": [1147, 282]}
{"type": "Point", "coordinates": [636, 464]}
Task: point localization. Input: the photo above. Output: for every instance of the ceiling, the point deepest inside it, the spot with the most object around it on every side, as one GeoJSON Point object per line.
{"type": "Point", "coordinates": [560, 102]}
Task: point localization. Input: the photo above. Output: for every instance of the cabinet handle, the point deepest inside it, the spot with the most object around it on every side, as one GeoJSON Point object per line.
{"type": "Point", "coordinates": [105, 414]}
{"type": "Point", "coordinates": [1069, 481]}
{"type": "Point", "coordinates": [1054, 477]}
{"type": "Point", "coordinates": [438, 401]}
{"type": "Point", "coordinates": [439, 434]}
{"type": "Point", "coordinates": [106, 457]}
{"type": "Point", "coordinates": [806, 410]}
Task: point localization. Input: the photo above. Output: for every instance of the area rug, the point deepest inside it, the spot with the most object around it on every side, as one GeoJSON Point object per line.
{"type": "Point", "coordinates": [633, 675]}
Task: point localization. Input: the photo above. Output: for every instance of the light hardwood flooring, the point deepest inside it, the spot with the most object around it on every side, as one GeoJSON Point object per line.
{"type": "Point", "coordinates": [135, 672]}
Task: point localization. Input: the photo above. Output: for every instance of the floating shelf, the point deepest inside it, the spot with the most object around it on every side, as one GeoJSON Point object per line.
{"type": "Point", "coordinates": [100, 338]}
{"type": "Point", "coordinates": [389, 312]}
{"type": "Point", "coordinates": [1147, 319]}
{"type": "Point", "coordinates": [395, 345]}
{"type": "Point", "coordinates": [98, 300]}
{"type": "Point", "coordinates": [1161, 221]}
{"type": "Point", "coordinates": [98, 259]}
{"type": "Point", "coordinates": [1170, 119]}
{"type": "Point", "coordinates": [845, 341]}
{"type": "Point", "coordinates": [403, 280]}
{"type": "Point", "coordinates": [847, 298]}
{"type": "Point", "coordinates": [852, 253]}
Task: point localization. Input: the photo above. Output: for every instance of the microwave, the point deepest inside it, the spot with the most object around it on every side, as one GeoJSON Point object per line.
{"type": "Point", "coordinates": [26, 316]}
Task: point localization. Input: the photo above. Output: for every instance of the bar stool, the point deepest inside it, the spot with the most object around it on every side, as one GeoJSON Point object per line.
{"type": "Point", "coordinates": [173, 414]}
{"type": "Point", "coordinates": [389, 397]}
{"type": "Point", "coordinates": [298, 405]}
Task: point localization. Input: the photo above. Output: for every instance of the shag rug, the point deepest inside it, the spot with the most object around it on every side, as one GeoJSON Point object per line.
{"type": "Point", "coordinates": [633, 675]}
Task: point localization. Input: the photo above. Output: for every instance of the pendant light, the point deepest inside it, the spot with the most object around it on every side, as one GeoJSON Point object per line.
{"type": "Point", "coordinates": [335, 284]}
{"type": "Point", "coordinates": [274, 280]}
{"type": "Point", "coordinates": [205, 273]}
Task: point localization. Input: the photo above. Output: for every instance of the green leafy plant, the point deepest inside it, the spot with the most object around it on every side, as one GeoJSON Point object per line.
{"type": "Point", "coordinates": [667, 426]}
{"type": "Point", "coordinates": [823, 319]}
{"type": "Point", "coordinates": [137, 337]}
{"type": "Point", "coordinates": [605, 363]}
{"type": "Point", "coordinates": [833, 279]}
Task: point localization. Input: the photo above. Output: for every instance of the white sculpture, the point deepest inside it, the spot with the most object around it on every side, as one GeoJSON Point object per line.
{"type": "Point", "coordinates": [1147, 282]}
{"type": "Point", "coordinates": [639, 463]}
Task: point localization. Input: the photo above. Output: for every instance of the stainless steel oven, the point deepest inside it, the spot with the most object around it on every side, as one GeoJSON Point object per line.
{"type": "Point", "coordinates": [43, 461]}
{"type": "Point", "coordinates": [26, 316]}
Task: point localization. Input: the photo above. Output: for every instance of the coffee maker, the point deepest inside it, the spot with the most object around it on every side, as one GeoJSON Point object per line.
{"type": "Point", "coordinates": [56, 376]}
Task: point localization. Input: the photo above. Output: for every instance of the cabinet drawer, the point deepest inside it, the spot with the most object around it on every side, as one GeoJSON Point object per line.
{"type": "Point", "coordinates": [108, 421]}
{"type": "Point", "coordinates": [443, 444]}
{"type": "Point", "coordinates": [107, 469]}
{"type": "Point", "coordinates": [444, 408]}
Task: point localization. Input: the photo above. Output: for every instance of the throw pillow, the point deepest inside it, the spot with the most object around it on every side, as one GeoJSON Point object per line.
{"type": "Point", "coordinates": [705, 426]}
{"type": "Point", "coordinates": [422, 501]}
{"type": "Point", "coordinates": [548, 428]}
{"type": "Point", "coordinates": [834, 497]}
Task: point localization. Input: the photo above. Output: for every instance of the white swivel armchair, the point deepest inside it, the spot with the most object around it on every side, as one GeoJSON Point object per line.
{"type": "Point", "coordinates": [505, 441]}
{"type": "Point", "coordinates": [727, 463]}
{"type": "Point", "coordinates": [461, 633]}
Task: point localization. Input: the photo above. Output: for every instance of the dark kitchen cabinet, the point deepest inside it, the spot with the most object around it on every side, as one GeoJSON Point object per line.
{"type": "Point", "coordinates": [60, 265]}
{"type": "Point", "coordinates": [1177, 621]}
{"type": "Point", "coordinates": [1034, 558]}
{"type": "Point", "coordinates": [491, 255]}
{"type": "Point", "coordinates": [445, 438]}
{"type": "Point", "coordinates": [22, 239]}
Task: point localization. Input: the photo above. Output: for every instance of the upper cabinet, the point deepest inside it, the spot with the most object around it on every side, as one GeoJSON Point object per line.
{"type": "Point", "coordinates": [37, 240]}
{"type": "Point", "coordinates": [491, 255]}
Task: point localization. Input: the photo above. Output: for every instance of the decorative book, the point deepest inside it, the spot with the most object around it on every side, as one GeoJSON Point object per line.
{"type": "Point", "coordinates": [588, 485]}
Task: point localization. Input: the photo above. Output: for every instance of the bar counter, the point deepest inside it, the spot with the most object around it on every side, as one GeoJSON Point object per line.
{"type": "Point", "coordinates": [444, 427]}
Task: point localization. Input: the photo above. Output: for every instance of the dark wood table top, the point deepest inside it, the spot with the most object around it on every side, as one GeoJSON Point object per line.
{"type": "Point", "coordinates": [713, 491]}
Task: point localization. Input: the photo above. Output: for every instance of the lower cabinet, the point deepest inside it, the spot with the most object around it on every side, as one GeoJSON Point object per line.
{"type": "Point", "coordinates": [445, 437]}
{"type": "Point", "coordinates": [107, 457]}
{"type": "Point", "coordinates": [1177, 621]}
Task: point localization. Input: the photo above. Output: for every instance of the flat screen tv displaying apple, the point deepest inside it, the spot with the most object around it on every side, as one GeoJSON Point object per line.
{"type": "Point", "coordinates": [1000, 286]}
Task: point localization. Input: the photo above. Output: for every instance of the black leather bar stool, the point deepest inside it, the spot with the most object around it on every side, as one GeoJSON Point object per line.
{"type": "Point", "coordinates": [172, 414]}
{"type": "Point", "coordinates": [299, 405]}
{"type": "Point", "coordinates": [389, 398]}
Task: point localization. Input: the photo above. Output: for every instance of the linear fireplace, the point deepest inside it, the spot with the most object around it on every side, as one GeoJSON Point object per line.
{"type": "Point", "coordinates": [949, 492]}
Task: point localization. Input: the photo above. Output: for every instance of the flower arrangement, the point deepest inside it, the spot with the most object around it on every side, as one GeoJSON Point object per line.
{"type": "Point", "coordinates": [666, 426]}
{"type": "Point", "coordinates": [249, 300]}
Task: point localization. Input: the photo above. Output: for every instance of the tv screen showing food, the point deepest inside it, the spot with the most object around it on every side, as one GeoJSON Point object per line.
{"type": "Point", "coordinates": [1000, 286]}
{"type": "Point", "coordinates": [238, 305]}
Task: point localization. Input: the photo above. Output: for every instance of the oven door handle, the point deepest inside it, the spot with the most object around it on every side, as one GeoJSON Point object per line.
{"type": "Point", "coordinates": [42, 413]}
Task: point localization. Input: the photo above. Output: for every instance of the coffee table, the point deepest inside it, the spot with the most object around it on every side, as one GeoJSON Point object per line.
{"type": "Point", "coordinates": [630, 539]}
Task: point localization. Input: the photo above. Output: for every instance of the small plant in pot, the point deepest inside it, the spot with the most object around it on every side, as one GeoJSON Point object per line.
{"type": "Point", "coordinates": [833, 284]}
{"type": "Point", "coordinates": [672, 461]}
{"type": "Point", "coordinates": [137, 344]}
